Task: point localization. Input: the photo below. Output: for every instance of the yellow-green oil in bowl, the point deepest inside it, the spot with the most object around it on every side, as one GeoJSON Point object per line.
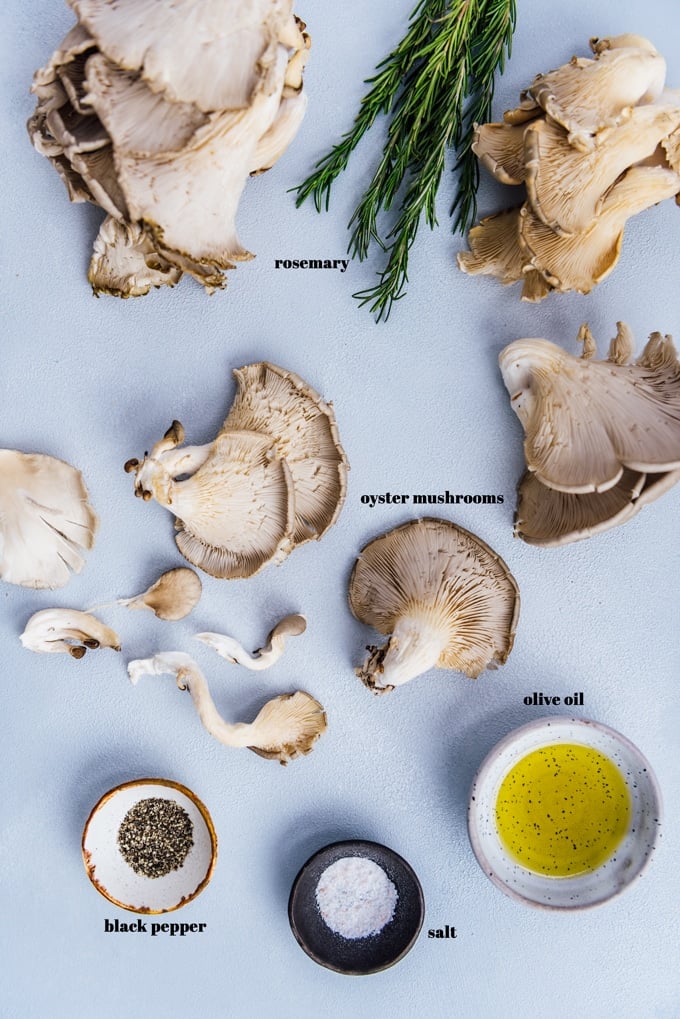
{"type": "Point", "coordinates": [563, 810]}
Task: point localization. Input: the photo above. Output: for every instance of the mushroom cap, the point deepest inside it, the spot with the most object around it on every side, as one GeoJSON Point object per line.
{"type": "Point", "coordinates": [566, 187]}
{"type": "Point", "coordinates": [585, 96]}
{"type": "Point", "coordinates": [550, 518]}
{"type": "Point", "coordinates": [288, 726]}
{"type": "Point", "coordinates": [495, 251]}
{"type": "Point", "coordinates": [46, 519]}
{"type": "Point", "coordinates": [212, 53]}
{"type": "Point", "coordinates": [172, 596]}
{"type": "Point", "coordinates": [580, 261]}
{"type": "Point", "coordinates": [236, 513]}
{"type": "Point", "coordinates": [444, 575]}
{"type": "Point", "coordinates": [500, 148]}
{"type": "Point", "coordinates": [280, 404]}
{"type": "Point", "coordinates": [585, 421]}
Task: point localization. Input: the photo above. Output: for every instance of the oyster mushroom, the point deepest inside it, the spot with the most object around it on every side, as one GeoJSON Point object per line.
{"type": "Point", "coordinates": [235, 510]}
{"type": "Point", "coordinates": [287, 726]}
{"type": "Point", "coordinates": [46, 520]}
{"type": "Point", "coordinates": [445, 598]}
{"type": "Point", "coordinates": [264, 657]}
{"type": "Point", "coordinates": [159, 113]}
{"type": "Point", "coordinates": [273, 478]}
{"type": "Point", "coordinates": [586, 421]}
{"type": "Point", "coordinates": [69, 631]}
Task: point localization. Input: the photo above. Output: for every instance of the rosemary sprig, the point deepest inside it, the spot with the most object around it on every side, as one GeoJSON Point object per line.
{"type": "Point", "coordinates": [435, 85]}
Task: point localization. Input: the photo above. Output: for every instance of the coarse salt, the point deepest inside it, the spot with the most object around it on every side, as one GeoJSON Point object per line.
{"type": "Point", "coordinates": [355, 897]}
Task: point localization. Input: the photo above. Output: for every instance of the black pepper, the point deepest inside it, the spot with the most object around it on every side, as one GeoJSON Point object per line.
{"type": "Point", "coordinates": [155, 836]}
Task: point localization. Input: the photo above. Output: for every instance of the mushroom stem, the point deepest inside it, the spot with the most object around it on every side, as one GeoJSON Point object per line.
{"type": "Point", "coordinates": [413, 648]}
{"type": "Point", "coordinates": [264, 657]}
{"type": "Point", "coordinates": [286, 727]}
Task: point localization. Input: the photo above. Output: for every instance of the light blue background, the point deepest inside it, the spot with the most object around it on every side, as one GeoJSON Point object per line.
{"type": "Point", "coordinates": [421, 407]}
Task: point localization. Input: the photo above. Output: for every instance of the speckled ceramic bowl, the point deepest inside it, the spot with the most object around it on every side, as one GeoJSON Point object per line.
{"type": "Point", "coordinates": [586, 889]}
{"type": "Point", "coordinates": [113, 876]}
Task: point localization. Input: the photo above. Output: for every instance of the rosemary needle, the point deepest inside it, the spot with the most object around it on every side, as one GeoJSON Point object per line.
{"type": "Point", "coordinates": [434, 86]}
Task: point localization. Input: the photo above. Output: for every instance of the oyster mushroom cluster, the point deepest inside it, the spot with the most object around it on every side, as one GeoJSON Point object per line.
{"type": "Point", "coordinates": [274, 477]}
{"type": "Point", "coordinates": [158, 111]}
{"type": "Point", "coordinates": [594, 142]}
{"type": "Point", "coordinates": [602, 438]}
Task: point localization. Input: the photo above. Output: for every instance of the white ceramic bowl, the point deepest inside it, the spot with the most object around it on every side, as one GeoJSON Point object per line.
{"type": "Point", "coordinates": [582, 890]}
{"type": "Point", "coordinates": [114, 877]}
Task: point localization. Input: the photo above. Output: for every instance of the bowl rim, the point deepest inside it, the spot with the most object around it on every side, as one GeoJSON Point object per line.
{"type": "Point", "coordinates": [164, 783]}
{"type": "Point", "coordinates": [551, 723]}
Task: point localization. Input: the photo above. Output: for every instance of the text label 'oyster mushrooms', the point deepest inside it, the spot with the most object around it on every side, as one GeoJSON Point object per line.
{"type": "Point", "coordinates": [273, 478]}
{"type": "Point", "coordinates": [594, 143]}
{"type": "Point", "coordinates": [287, 726]}
{"type": "Point", "coordinates": [159, 113]}
{"type": "Point", "coordinates": [264, 657]}
{"type": "Point", "coordinates": [46, 520]}
{"type": "Point", "coordinates": [602, 438]}
{"type": "Point", "coordinates": [447, 600]}
{"type": "Point", "coordinates": [68, 631]}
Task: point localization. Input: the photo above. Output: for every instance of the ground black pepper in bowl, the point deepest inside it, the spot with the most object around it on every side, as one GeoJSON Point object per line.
{"type": "Point", "coordinates": [155, 836]}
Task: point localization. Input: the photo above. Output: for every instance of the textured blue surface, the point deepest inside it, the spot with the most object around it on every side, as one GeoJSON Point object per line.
{"type": "Point", "coordinates": [421, 408]}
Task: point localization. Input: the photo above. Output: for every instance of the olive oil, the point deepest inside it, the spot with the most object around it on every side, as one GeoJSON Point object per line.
{"type": "Point", "coordinates": [563, 810]}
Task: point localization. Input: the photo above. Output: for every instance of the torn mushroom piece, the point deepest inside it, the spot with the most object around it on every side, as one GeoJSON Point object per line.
{"type": "Point", "coordinates": [274, 477]}
{"type": "Point", "coordinates": [264, 657]}
{"type": "Point", "coordinates": [46, 520]}
{"type": "Point", "coordinates": [69, 631]}
{"type": "Point", "coordinates": [446, 599]}
{"type": "Point", "coordinates": [159, 112]}
{"type": "Point", "coordinates": [287, 726]}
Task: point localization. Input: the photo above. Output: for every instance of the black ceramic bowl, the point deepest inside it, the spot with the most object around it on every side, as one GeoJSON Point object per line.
{"type": "Point", "coordinates": [356, 956]}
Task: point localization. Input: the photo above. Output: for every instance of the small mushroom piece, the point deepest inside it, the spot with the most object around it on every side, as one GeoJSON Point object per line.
{"type": "Point", "coordinates": [586, 421]}
{"type": "Point", "coordinates": [264, 657]}
{"type": "Point", "coordinates": [287, 726]}
{"type": "Point", "coordinates": [46, 520]}
{"type": "Point", "coordinates": [125, 262]}
{"type": "Point", "coordinates": [279, 403]}
{"type": "Point", "coordinates": [447, 599]}
{"type": "Point", "coordinates": [172, 596]}
{"type": "Point", "coordinates": [67, 630]}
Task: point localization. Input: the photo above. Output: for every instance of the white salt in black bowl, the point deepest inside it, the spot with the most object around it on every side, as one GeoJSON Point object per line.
{"type": "Point", "coordinates": [397, 906]}
{"type": "Point", "coordinates": [149, 846]}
